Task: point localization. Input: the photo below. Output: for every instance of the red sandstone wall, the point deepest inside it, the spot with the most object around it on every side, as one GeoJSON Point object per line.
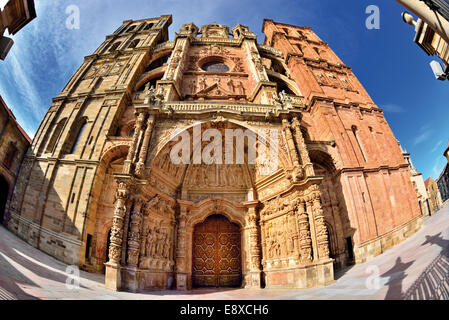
{"type": "Point", "coordinates": [376, 186]}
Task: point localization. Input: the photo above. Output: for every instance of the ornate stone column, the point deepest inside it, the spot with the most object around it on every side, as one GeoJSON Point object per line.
{"type": "Point", "coordinates": [134, 234]}
{"type": "Point", "coordinates": [253, 280]}
{"type": "Point", "coordinates": [320, 225]}
{"type": "Point", "coordinates": [303, 152]}
{"type": "Point", "coordinates": [140, 167]}
{"type": "Point", "coordinates": [180, 252]}
{"type": "Point", "coordinates": [305, 242]}
{"type": "Point", "coordinates": [134, 246]}
{"type": "Point", "coordinates": [140, 118]}
{"type": "Point", "coordinates": [297, 174]}
{"type": "Point", "coordinates": [113, 276]}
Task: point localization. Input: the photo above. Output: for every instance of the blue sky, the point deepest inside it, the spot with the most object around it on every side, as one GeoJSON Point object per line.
{"type": "Point", "coordinates": [393, 69]}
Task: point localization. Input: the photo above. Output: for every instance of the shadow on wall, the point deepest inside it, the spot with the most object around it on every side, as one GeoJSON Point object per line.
{"type": "Point", "coordinates": [335, 212]}
{"type": "Point", "coordinates": [38, 214]}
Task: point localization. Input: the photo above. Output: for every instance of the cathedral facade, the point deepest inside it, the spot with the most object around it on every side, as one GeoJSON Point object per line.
{"type": "Point", "coordinates": [214, 161]}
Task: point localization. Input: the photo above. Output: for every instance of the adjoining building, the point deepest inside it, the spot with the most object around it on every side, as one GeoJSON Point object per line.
{"type": "Point", "coordinates": [432, 30]}
{"type": "Point", "coordinates": [14, 143]}
{"type": "Point", "coordinates": [15, 15]}
{"type": "Point", "coordinates": [100, 187]}
{"type": "Point", "coordinates": [443, 180]}
{"type": "Point", "coordinates": [418, 184]}
{"type": "Point", "coordinates": [434, 195]}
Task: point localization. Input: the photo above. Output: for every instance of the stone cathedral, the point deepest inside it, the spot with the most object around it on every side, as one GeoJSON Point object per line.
{"type": "Point", "coordinates": [99, 187]}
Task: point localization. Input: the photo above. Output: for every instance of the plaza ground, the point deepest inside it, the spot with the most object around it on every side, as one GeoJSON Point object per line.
{"type": "Point", "coordinates": [418, 268]}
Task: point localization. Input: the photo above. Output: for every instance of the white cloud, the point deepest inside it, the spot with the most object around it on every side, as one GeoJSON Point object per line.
{"type": "Point", "coordinates": [392, 108]}
{"type": "Point", "coordinates": [437, 145]}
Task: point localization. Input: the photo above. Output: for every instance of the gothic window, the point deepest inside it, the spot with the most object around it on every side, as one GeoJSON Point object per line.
{"type": "Point", "coordinates": [56, 133]}
{"type": "Point", "coordinates": [10, 154]}
{"type": "Point", "coordinates": [215, 66]}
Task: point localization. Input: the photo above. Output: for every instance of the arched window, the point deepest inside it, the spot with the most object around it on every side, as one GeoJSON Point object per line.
{"type": "Point", "coordinates": [131, 28]}
{"type": "Point", "coordinates": [81, 130]}
{"type": "Point", "coordinates": [278, 67]}
{"type": "Point", "coordinates": [281, 85]}
{"type": "Point", "coordinates": [158, 63]}
{"type": "Point", "coordinates": [215, 66]}
{"type": "Point", "coordinates": [152, 82]}
{"type": "Point", "coordinates": [55, 136]}
{"type": "Point", "coordinates": [134, 44]}
{"type": "Point", "coordinates": [149, 26]}
{"type": "Point", "coordinates": [114, 46]}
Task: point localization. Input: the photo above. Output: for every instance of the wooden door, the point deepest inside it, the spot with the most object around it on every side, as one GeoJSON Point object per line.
{"type": "Point", "coordinates": [216, 253]}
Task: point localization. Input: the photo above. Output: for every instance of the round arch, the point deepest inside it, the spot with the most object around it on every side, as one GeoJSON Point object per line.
{"type": "Point", "coordinates": [286, 81]}
{"type": "Point", "coordinates": [167, 139]}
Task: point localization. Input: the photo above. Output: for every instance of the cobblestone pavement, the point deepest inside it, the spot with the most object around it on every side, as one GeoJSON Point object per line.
{"type": "Point", "coordinates": [418, 268]}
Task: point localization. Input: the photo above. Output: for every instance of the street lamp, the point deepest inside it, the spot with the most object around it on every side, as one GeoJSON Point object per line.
{"type": "Point", "coordinates": [438, 71]}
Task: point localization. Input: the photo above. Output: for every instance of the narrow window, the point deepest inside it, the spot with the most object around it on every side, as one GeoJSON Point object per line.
{"type": "Point", "coordinates": [350, 248]}
{"type": "Point", "coordinates": [149, 26]}
{"type": "Point", "coordinates": [88, 245]}
{"type": "Point", "coordinates": [10, 154]}
{"type": "Point", "coordinates": [56, 133]}
{"type": "Point", "coordinates": [354, 131]}
{"type": "Point", "coordinates": [78, 138]}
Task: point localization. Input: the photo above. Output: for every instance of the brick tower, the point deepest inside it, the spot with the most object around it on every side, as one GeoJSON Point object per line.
{"type": "Point", "coordinates": [100, 187]}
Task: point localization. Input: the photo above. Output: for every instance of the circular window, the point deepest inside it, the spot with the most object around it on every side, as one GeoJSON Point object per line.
{"type": "Point", "coordinates": [215, 66]}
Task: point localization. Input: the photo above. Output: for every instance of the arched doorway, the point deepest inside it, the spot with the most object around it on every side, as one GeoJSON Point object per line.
{"type": "Point", "coordinates": [4, 190]}
{"type": "Point", "coordinates": [216, 253]}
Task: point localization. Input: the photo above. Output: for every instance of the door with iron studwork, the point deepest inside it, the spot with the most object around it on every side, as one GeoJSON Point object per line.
{"type": "Point", "coordinates": [216, 253]}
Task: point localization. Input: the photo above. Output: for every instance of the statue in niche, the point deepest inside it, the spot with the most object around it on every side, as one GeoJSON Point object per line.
{"type": "Point", "coordinates": [202, 83]}
{"type": "Point", "coordinates": [241, 88]}
{"type": "Point", "coordinates": [149, 243]}
{"type": "Point", "coordinates": [230, 84]}
{"type": "Point", "coordinates": [166, 247]}
{"type": "Point", "coordinates": [193, 86]}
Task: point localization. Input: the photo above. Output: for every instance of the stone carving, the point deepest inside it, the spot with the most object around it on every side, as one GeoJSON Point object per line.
{"type": "Point", "coordinates": [153, 99]}
{"type": "Point", "coordinates": [320, 225]}
{"type": "Point", "coordinates": [115, 248]}
{"type": "Point", "coordinates": [305, 241]}
{"type": "Point", "coordinates": [160, 206]}
{"type": "Point", "coordinates": [216, 176]}
{"type": "Point", "coordinates": [134, 234]}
